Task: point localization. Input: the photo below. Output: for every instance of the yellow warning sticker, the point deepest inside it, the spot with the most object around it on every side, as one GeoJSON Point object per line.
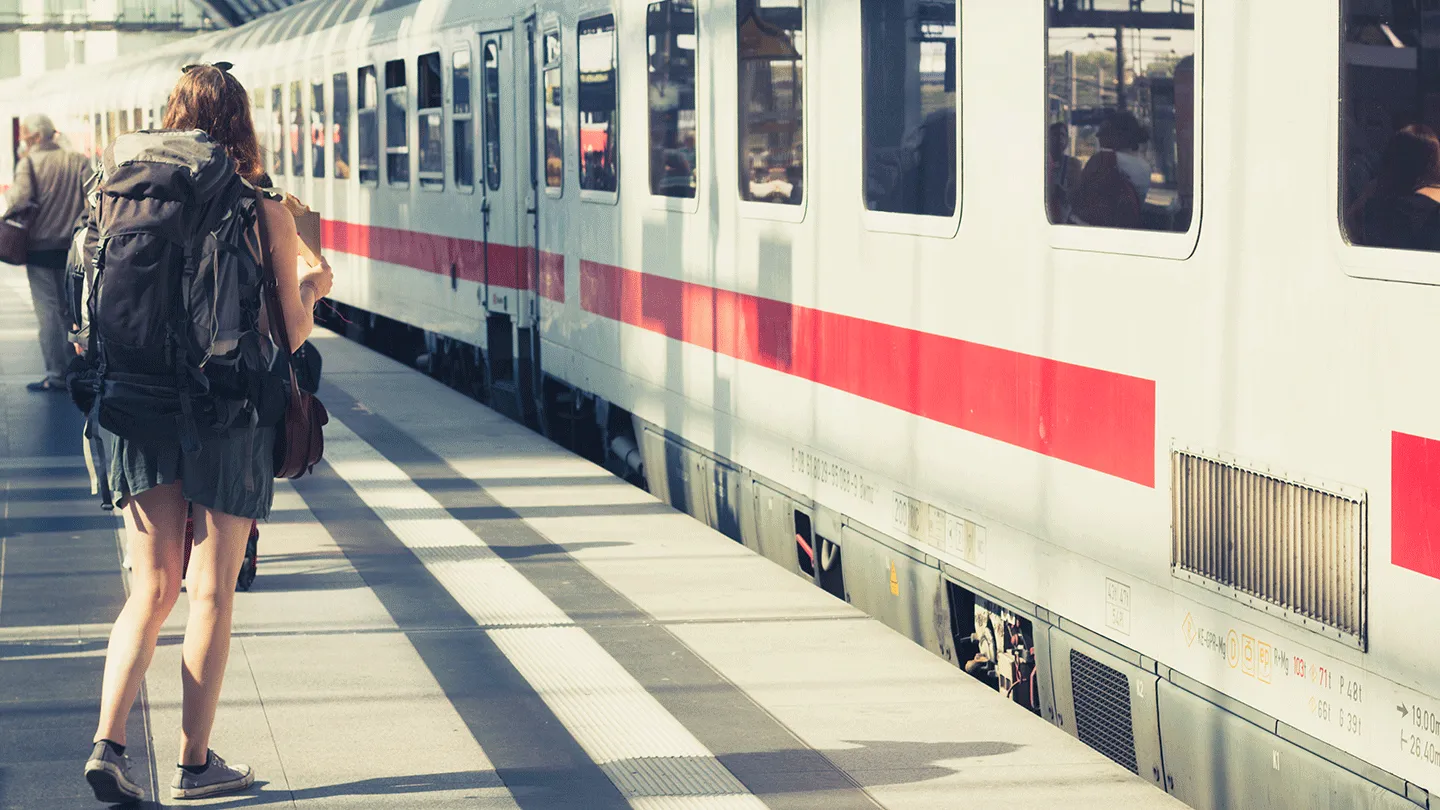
{"type": "Point", "coordinates": [894, 581]}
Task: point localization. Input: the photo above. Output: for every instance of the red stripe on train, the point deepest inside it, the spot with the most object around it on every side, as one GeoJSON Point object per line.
{"type": "Point", "coordinates": [1414, 509]}
{"type": "Point", "coordinates": [509, 266]}
{"type": "Point", "coordinates": [1097, 419]}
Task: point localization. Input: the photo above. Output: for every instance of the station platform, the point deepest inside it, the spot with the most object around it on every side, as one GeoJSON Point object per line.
{"type": "Point", "coordinates": [455, 613]}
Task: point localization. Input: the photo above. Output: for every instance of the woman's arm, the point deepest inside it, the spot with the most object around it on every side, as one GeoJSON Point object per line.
{"type": "Point", "coordinates": [297, 300]}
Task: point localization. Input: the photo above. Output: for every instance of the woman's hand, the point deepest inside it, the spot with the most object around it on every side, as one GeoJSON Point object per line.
{"type": "Point", "coordinates": [318, 278]}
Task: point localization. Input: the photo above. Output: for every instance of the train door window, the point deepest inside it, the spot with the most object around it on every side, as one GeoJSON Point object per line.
{"type": "Point", "coordinates": [673, 46]}
{"type": "Point", "coordinates": [277, 130]}
{"type": "Point", "coordinates": [1120, 130]}
{"type": "Point", "coordinates": [1389, 153]}
{"type": "Point", "coordinates": [462, 117]}
{"type": "Point", "coordinates": [771, 38]}
{"type": "Point", "coordinates": [554, 87]}
{"type": "Point", "coordinates": [295, 133]}
{"type": "Point", "coordinates": [910, 116]}
{"type": "Point", "coordinates": [340, 134]}
{"type": "Point", "coordinates": [597, 98]}
{"type": "Point", "coordinates": [492, 115]}
{"type": "Point", "coordinates": [430, 115]}
{"type": "Point", "coordinates": [397, 136]}
{"type": "Point", "coordinates": [317, 129]}
{"type": "Point", "coordinates": [368, 125]}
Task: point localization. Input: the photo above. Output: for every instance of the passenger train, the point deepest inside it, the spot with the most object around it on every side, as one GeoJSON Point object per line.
{"type": "Point", "coordinates": [834, 276]}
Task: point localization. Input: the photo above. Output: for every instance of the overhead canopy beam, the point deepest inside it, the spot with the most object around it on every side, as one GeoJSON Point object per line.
{"type": "Point", "coordinates": [123, 26]}
{"type": "Point", "coordinates": [1153, 20]}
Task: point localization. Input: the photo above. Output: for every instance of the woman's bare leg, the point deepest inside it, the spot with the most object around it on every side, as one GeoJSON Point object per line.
{"type": "Point", "coordinates": [155, 528]}
{"type": "Point", "coordinates": [214, 565]}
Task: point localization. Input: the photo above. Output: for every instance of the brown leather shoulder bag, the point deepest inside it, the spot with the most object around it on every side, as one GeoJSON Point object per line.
{"type": "Point", "coordinates": [299, 438]}
{"type": "Point", "coordinates": [15, 224]}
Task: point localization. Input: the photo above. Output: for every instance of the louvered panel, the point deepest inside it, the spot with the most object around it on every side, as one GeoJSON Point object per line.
{"type": "Point", "coordinates": [1290, 547]}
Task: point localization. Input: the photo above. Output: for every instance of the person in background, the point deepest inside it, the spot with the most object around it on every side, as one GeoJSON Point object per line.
{"type": "Point", "coordinates": [1401, 208]}
{"type": "Point", "coordinates": [54, 179]}
{"type": "Point", "coordinates": [1123, 134]}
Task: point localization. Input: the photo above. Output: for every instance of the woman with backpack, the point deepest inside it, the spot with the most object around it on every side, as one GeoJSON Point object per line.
{"type": "Point", "coordinates": [227, 475]}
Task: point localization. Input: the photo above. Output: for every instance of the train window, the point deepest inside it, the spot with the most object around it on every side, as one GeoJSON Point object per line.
{"type": "Point", "coordinates": [368, 126]}
{"type": "Point", "coordinates": [397, 136]}
{"type": "Point", "coordinates": [492, 115]}
{"type": "Point", "coordinates": [771, 39]}
{"type": "Point", "coordinates": [277, 130]}
{"type": "Point", "coordinates": [295, 133]}
{"type": "Point", "coordinates": [1390, 114]}
{"type": "Point", "coordinates": [597, 104]}
{"type": "Point", "coordinates": [124, 121]}
{"type": "Point", "coordinates": [340, 136]}
{"type": "Point", "coordinates": [1120, 127]}
{"type": "Point", "coordinates": [554, 115]}
{"type": "Point", "coordinates": [99, 137]}
{"type": "Point", "coordinates": [910, 75]}
{"type": "Point", "coordinates": [673, 45]}
{"type": "Point", "coordinates": [430, 116]}
{"type": "Point", "coordinates": [139, 119]}
{"type": "Point", "coordinates": [317, 129]}
{"type": "Point", "coordinates": [462, 119]}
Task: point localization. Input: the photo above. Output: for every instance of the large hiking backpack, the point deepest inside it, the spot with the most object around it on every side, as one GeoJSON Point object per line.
{"type": "Point", "coordinates": [172, 256]}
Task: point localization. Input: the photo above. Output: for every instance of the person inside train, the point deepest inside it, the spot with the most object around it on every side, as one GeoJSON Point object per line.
{"type": "Point", "coordinates": [918, 175]}
{"type": "Point", "coordinates": [1401, 207]}
{"type": "Point", "coordinates": [1123, 134]}
{"type": "Point", "coordinates": [155, 482]}
{"type": "Point", "coordinates": [1062, 171]}
{"type": "Point", "coordinates": [1115, 181]}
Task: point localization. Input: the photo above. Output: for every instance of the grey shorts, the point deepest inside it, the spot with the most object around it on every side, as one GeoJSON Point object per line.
{"type": "Point", "coordinates": [234, 474]}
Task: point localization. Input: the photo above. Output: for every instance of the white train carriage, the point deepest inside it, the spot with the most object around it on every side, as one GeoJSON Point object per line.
{"type": "Point", "coordinates": [821, 273]}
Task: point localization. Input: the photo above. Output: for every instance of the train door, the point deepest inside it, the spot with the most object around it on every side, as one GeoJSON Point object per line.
{"type": "Point", "coordinates": [506, 234]}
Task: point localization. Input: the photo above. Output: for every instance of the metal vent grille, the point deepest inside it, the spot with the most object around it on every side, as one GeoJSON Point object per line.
{"type": "Point", "coordinates": [1292, 545]}
{"type": "Point", "coordinates": [1102, 709]}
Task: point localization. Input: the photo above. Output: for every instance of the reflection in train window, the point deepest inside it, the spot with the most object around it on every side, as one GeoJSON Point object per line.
{"type": "Point", "coordinates": [597, 104]}
{"type": "Point", "coordinates": [1120, 127]}
{"type": "Point", "coordinates": [430, 115]}
{"type": "Point", "coordinates": [492, 115]}
{"type": "Point", "coordinates": [397, 136]}
{"type": "Point", "coordinates": [317, 129]}
{"type": "Point", "coordinates": [1389, 117]}
{"type": "Point", "coordinates": [368, 125]}
{"type": "Point", "coordinates": [910, 83]}
{"type": "Point", "coordinates": [340, 135]}
{"type": "Point", "coordinates": [277, 131]}
{"type": "Point", "coordinates": [554, 114]}
{"type": "Point", "coordinates": [295, 134]}
{"type": "Point", "coordinates": [771, 39]}
{"type": "Point", "coordinates": [670, 30]}
{"type": "Point", "coordinates": [462, 116]}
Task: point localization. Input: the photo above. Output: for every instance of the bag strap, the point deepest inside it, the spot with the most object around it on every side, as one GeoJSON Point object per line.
{"type": "Point", "coordinates": [274, 311]}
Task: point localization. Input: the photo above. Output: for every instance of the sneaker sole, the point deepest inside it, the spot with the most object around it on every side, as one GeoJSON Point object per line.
{"type": "Point", "coordinates": [110, 785]}
{"type": "Point", "coordinates": [211, 790]}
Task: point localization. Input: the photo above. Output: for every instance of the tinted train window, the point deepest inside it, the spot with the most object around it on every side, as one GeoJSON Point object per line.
{"type": "Point", "coordinates": [1389, 116]}
{"type": "Point", "coordinates": [910, 82]}
{"type": "Point", "coordinates": [492, 115]}
{"type": "Point", "coordinates": [139, 119]}
{"type": "Point", "coordinates": [367, 94]}
{"type": "Point", "coordinates": [277, 131]}
{"type": "Point", "coordinates": [670, 31]}
{"type": "Point", "coordinates": [397, 135]}
{"type": "Point", "coordinates": [771, 39]}
{"type": "Point", "coordinates": [124, 121]}
{"type": "Point", "coordinates": [1120, 127]}
{"type": "Point", "coordinates": [554, 114]}
{"type": "Point", "coordinates": [597, 104]}
{"type": "Point", "coordinates": [340, 136]}
{"type": "Point", "coordinates": [317, 129]}
{"type": "Point", "coordinates": [430, 116]}
{"type": "Point", "coordinates": [295, 134]}
{"type": "Point", "coordinates": [462, 117]}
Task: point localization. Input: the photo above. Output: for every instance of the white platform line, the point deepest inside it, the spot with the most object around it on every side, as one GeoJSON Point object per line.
{"type": "Point", "coordinates": [655, 762]}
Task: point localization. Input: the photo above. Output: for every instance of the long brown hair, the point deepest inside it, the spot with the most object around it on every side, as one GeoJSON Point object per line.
{"type": "Point", "coordinates": [209, 98]}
